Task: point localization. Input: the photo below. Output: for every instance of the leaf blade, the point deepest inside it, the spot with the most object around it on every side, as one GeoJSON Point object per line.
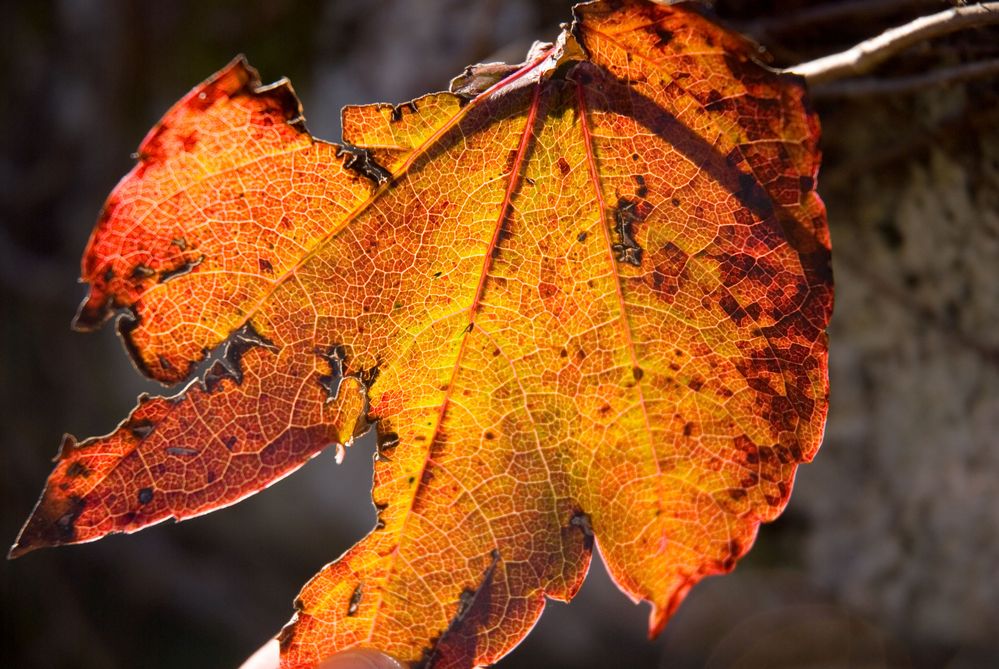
{"type": "Point", "coordinates": [586, 307]}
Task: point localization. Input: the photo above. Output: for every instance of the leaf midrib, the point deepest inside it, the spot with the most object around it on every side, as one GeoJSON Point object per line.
{"type": "Point", "coordinates": [514, 180]}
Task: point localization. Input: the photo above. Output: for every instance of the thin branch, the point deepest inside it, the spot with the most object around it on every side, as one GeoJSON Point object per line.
{"type": "Point", "coordinates": [901, 85]}
{"type": "Point", "coordinates": [866, 55]}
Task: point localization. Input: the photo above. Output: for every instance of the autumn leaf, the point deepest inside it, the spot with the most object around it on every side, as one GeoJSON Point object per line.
{"type": "Point", "coordinates": [582, 300]}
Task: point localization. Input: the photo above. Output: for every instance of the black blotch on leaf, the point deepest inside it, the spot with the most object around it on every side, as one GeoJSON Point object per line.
{"type": "Point", "coordinates": [361, 162]}
{"type": "Point", "coordinates": [65, 525]}
{"type": "Point", "coordinates": [140, 272]}
{"type": "Point", "coordinates": [140, 429]}
{"type": "Point", "coordinates": [397, 110]}
{"type": "Point", "coordinates": [626, 214]}
{"type": "Point", "coordinates": [77, 469]}
{"type": "Point", "coordinates": [355, 601]}
{"type": "Point", "coordinates": [335, 357]}
{"type": "Point", "coordinates": [386, 444]}
{"type": "Point", "coordinates": [368, 376]}
{"type": "Point", "coordinates": [642, 190]}
{"type": "Point", "coordinates": [663, 36]}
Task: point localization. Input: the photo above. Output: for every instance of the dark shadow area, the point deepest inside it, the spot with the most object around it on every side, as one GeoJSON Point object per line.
{"type": "Point", "coordinates": [886, 555]}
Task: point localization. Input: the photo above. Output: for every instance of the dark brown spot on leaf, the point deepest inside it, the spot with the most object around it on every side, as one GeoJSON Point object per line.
{"type": "Point", "coordinates": [141, 272]}
{"type": "Point", "coordinates": [140, 429]}
{"type": "Point", "coordinates": [355, 601]}
{"type": "Point", "coordinates": [663, 36]}
{"type": "Point", "coordinates": [627, 214]}
{"type": "Point", "coordinates": [77, 469]}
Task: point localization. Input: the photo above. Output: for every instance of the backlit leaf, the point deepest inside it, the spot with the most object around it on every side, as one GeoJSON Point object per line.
{"type": "Point", "coordinates": [583, 301]}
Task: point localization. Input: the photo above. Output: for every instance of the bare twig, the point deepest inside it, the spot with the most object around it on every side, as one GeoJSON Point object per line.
{"type": "Point", "coordinates": [866, 55]}
{"type": "Point", "coordinates": [901, 85]}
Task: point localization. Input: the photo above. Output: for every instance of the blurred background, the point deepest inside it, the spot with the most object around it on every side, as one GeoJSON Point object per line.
{"type": "Point", "coordinates": [888, 555]}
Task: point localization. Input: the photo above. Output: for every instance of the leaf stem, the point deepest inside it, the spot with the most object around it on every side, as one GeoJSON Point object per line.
{"type": "Point", "coordinates": [865, 56]}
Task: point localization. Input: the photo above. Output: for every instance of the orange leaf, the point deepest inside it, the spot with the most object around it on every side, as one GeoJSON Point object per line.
{"type": "Point", "coordinates": [583, 301]}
